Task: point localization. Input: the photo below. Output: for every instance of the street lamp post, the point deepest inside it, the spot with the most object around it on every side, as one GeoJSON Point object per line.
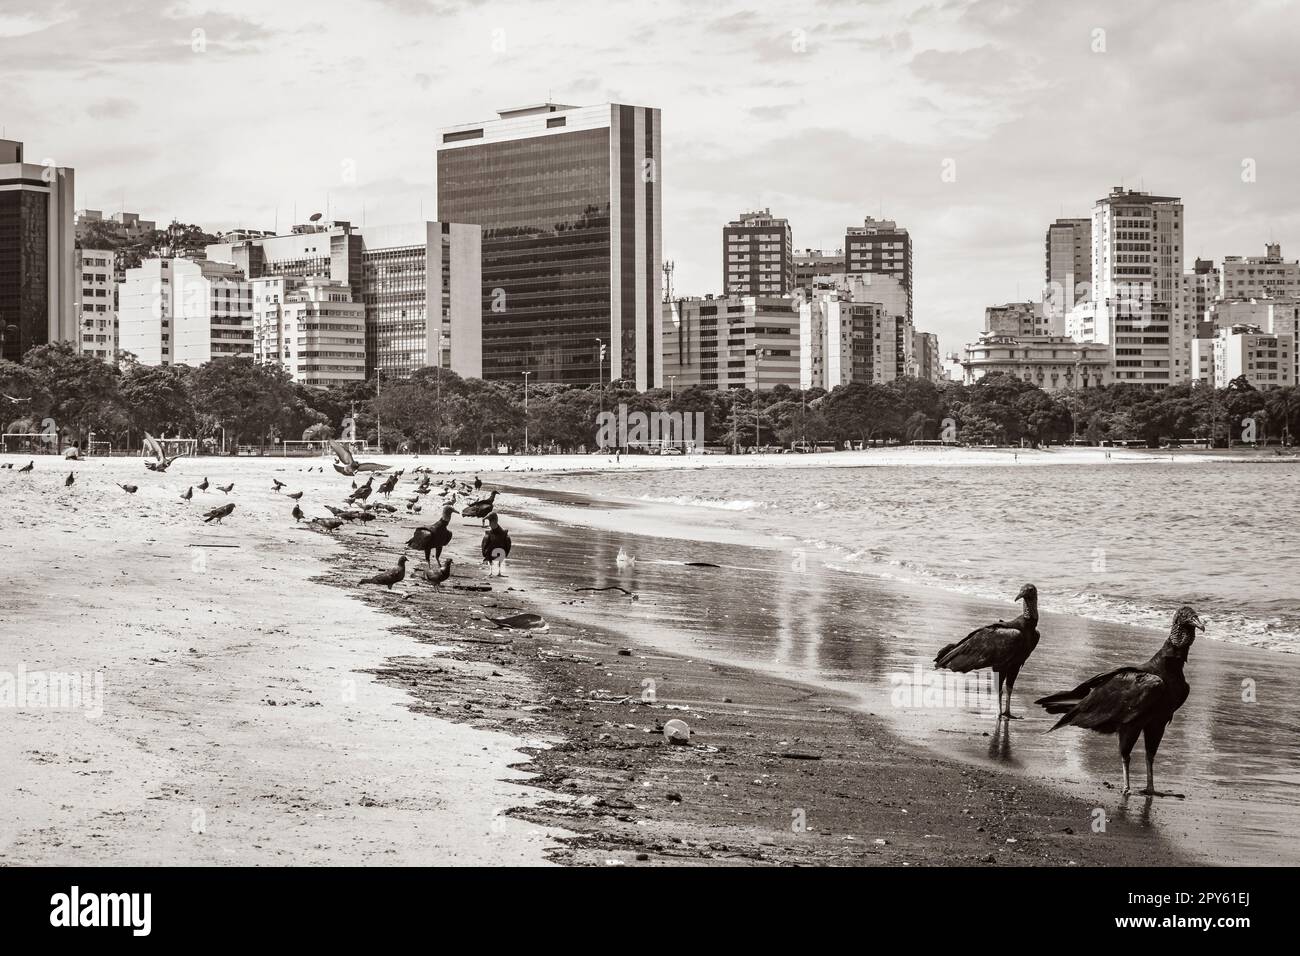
{"type": "Point", "coordinates": [379, 435]}
{"type": "Point", "coordinates": [526, 374]}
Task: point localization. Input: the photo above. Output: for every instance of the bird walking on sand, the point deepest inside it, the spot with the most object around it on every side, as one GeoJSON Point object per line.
{"type": "Point", "coordinates": [1004, 647]}
{"type": "Point", "coordinates": [27, 467]}
{"type": "Point", "coordinates": [216, 514]}
{"type": "Point", "coordinates": [496, 546]}
{"type": "Point", "coordinates": [276, 485]}
{"type": "Point", "coordinates": [189, 493]}
{"type": "Point", "coordinates": [389, 484]}
{"type": "Point", "coordinates": [435, 537]}
{"type": "Point", "coordinates": [362, 493]}
{"type": "Point", "coordinates": [203, 485]}
{"type": "Point", "coordinates": [478, 483]}
{"type": "Point", "coordinates": [129, 489]}
{"type": "Point", "coordinates": [68, 481]}
{"type": "Point", "coordinates": [329, 524]}
{"type": "Point", "coordinates": [226, 489]}
{"type": "Point", "coordinates": [295, 495]}
{"type": "Point", "coordinates": [481, 508]}
{"type": "Point", "coordinates": [297, 513]}
{"type": "Point", "coordinates": [436, 577]}
{"type": "Point", "coordinates": [390, 577]}
{"type": "Point", "coordinates": [1134, 701]}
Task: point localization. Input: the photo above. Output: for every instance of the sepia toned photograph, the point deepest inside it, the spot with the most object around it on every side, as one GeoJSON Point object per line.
{"type": "Point", "coordinates": [524, 436]}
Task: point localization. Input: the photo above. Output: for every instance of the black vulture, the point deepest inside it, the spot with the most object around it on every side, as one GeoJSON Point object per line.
{"type": "Point", "coordinates": [1134, 701]}
{"type": "Point", "coordinates": [1004, 647]}
{"type": "Point", "coordinates": [496, 545]}
{"type": "Point", "coordinates": [435, 537]}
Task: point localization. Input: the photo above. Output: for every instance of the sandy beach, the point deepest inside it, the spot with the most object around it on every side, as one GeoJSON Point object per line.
{"type": "Point", "coordinates": [238, 724]}
{"type": "Point", "coordinates": [311, 721]}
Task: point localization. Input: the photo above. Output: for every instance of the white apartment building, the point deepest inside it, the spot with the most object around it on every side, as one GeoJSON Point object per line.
{"type": "Point", "coordinates": [310, 327]}
{"type": "Point", "coordinates": [184, 312]}
{"type": "Point", "coordinates": [1266, 359]}
{"type": "Point", "coordinates": [846, 334]}
{"type": "Point", "coordinates": [97, 305]}
{"type": "Point", "coordinates": [1137, 288]}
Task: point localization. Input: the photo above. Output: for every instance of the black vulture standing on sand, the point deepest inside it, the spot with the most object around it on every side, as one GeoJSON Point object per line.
{"type": "Point", "coordinates": [481, 508]}
{"type": "Point", "coordinates": [216, 514]}
{"type": "Point", "coordinates": [435, 537]}
{"type": "Point", "coordinates": [390, 577]}
{"type": "Point", "coordinates": [1134, 701]}
{"type": "Point", "coordinates": [1004, 646]}
{"type": "Point", "coordinates": [496, 545]}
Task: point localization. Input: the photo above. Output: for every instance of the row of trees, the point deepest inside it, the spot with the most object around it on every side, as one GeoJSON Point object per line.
{"type": "Point", "coordinates": [236, 401]}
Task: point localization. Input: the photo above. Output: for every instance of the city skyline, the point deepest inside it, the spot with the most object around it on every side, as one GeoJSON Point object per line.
{"type": "Point", "coordinates": [973, 125]}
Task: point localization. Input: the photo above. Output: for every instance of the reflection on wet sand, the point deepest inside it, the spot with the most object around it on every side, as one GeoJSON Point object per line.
{"type": "Point", "coordinates": [759, 608]}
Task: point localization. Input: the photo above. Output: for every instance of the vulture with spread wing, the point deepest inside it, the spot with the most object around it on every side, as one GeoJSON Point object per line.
{"type": "Point", "coordinates": [1134, 701]}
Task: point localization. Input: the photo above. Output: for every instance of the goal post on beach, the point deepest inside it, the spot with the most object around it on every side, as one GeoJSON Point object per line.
{"type": "Point", "coordinates": [93, 449]}
{"type": "Point", "coordinates": [296, 447]}
{"type": "Point", "coordinates": [173, 447]}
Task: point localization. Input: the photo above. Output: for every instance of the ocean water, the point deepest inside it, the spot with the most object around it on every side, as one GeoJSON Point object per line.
{"type": "Point", "coordinates": [1123, 543]}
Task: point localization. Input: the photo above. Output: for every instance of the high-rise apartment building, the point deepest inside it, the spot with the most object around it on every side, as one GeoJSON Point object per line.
{"type": "Point", "coordinates": [38, 260]}
{"type": "Point", "coordinates": [1068, 269]}
{"type": "Point", "coordinates": [569, 200]}
{"type": "Point", "coordinates": [927, 358]}
{"type": "Point", "coordinates": [97, 305]}
{"type": "Point", "coordinates": [731, 342]}
{"type": "Point", "coordinates": [184, 312]}
{"type": "Point", "coordinates": [1137, 279]}
{"type": "Point", "coordinates": [1252, 277]}
{"type": "Point", "coordinates": [848, 332]}
{"type": "Point", "coordinates": [809, 264]}
{"type": "Point", "coordinates": [880, 247]}
{"type": "Point", "coordinates": [310, 327]}
{"type": "Point", "coordinates": [757, 255]}
{"type": "Point", "coordinates": [1264, 359]}
{"type": "Point", "coordinates": [420, 285]}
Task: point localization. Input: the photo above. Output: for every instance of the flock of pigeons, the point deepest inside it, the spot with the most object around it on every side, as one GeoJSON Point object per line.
{"type": "Point", "coordinates": [1129, 702]}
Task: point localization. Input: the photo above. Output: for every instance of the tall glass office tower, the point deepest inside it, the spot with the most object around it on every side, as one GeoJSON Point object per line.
{"type": "Point", "coordinates": [569, 201]}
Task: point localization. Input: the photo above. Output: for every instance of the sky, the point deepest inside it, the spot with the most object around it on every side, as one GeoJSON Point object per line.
{"type": "Point", "coordinates": [973, 123]}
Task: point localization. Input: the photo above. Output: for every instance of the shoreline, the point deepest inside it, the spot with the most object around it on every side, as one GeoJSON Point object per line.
{"type": "Point", "coordinates": [777, 772]}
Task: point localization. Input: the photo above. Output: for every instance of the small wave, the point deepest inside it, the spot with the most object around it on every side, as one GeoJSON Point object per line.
{"type": "Point", "coordinates": [719, 504]}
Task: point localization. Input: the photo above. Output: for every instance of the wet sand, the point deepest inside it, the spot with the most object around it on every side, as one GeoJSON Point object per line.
{"type": "Point", "coordinates": [779, 609]}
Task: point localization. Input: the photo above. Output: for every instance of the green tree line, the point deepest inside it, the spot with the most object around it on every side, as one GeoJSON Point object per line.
{"type": "Point", "coordinates": [252, 404]}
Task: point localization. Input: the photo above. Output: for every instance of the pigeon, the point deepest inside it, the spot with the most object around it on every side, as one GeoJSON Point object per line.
{"type": "Point", "coordinates": [226, 489]}
{"type": "Point", "coordinates": [216, 514]}
{"type": "Point", "coordinates": [276, 485]}
{"type": "Point", "coordinates": [189, 493]}
{"type": "Point", "coordinates": [390, 577]}
{"type": "Point", "coordinates": [161, 461]}
{"type": "Point", "coordinates": [67, 482]}
{"type": "Point", "coordinates": [329, 524]}
{"type": "Point", "coordinates": [349, 466]}
{"type": "Point", "coordinates": [203, 485]}
{"type": "Point", "coordinates": [297, 513]}
{"type": "Point", "coordinates": [441, 574]}
{"type": "Point", "coordinates": [129, 489]}
{"type": "Point", "coordinates": [296, 496]}
{"type": "Point", "coordinates": [27, 467]}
